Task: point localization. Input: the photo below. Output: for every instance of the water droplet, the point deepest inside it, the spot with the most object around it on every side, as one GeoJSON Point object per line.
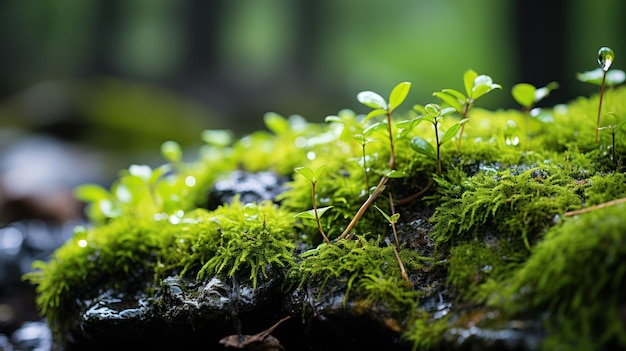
{"type": "Point", "coordinates": [487, 268]}
{"type": "Point", "coordinates": [511, 132]}
{"type": "Point", "coordinates": [605, 57]}
{"type": "Point", "coordinates": [190, 181]}
{"type": "Point", "coordinates": [310, 155]}
{"type": "Point", "coordinates": [82, 243]}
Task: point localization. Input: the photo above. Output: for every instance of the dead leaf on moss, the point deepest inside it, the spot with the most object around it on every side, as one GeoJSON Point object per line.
{"type": "Point", "coordinates": [262, 341]}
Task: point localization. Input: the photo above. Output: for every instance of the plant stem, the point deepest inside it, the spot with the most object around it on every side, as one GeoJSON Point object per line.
{"type": "Point", "coordinates": [367, 185]}
{"type": "Point", "coordinates": [438, 148]}
{"type": "Point", "coordinates": [392, 157]}
{"type": "Point", "coordinates": [317, 218]}
{"type": "Point", "coordinates": [393, 224]}
{"type": "Point", "coordinates": [464, 116]}
{"type": "Point", "coordinates": [600, 104]}
{"type": "Point", "coordinates": [379, 189]}
{"type": "Point", "coordinates": [595, 207]}
{"type": "Point", "coordinates": [403, 273]}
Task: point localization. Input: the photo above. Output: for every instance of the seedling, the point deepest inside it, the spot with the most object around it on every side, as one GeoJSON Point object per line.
{"type": "Point", "coordinates": [315, 213]}
{"type": "Point", "coordinates": [380, 106]}
{"type": "Point", "coordinates": [475, 87]}
{"type": "Point", "coordinates": [528, 95]}
{"type": "Point", "coordinates": [433, 113]}
{"type": "Point", "coordinates": [613, 128]}
{"type": "Point", "coordinates": [393, 219]}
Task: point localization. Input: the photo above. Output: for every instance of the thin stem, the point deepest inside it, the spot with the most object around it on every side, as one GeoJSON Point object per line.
{"type": "Point", "coordinates": [393, 224]}
{"type": "Point", "coordinates": [438, 147]}
{"type": "Point", "coordinates": [410, 198]}
{"type": "Point", "coordinates": [379, 189]}
{"type": "Point", "coordinates": [589, 209]}
{"type": "Point", "coordinates": [600, 105]}
{"type": "Point", "coordinates": [317, 218]}
{"type": "Point", "coordinates": [464, 116]}
{"type": "Point", "coordinates": [392, 157]}
{"type": "Point", "coordinates": [405, 276]}
{"type": "Point", "coordinates": [367, 185]}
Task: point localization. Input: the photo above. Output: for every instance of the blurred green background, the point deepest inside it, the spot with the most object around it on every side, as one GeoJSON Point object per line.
{"type": "Point", "coordinates": [120, 77]}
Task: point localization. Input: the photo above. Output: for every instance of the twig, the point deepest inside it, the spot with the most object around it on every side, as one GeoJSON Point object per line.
{"type": "Point", "coordinates": [595, 207]}
{"type": "Point", "coordinates": [379, 189]}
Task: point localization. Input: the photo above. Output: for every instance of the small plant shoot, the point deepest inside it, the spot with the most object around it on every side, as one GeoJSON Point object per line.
{"type": "Point", "coordinates": [605, 60]}
{"type": "Point", "coordinates": [613, 129]}
{"type": "Point", "coordinates": [313, 176]}
{"type": "Point", "coordinates": [433, 114]}
{"type": "Point", "coordinates": [475, 87]}
{"type": "Point", "coordinates": [380, 107]}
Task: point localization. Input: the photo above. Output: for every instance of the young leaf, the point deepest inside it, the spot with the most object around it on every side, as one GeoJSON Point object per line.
{"type": "Point", "coordinates": [371, 99]}
{"type": "Point", "coordinates": [398, 94]}
{"type": "Point", "coordinates": [375, 127]}
{"type": "Point", "coordinates": [432, 110]}
{"type": "Point", "coordinates": [91, 193]}
{"type": "Point", "coordinates": [276, 123]}
{"type": "Point", "coordinates": [171, 151]}
{"type": "Point", "coordinates": [482, 85]}
{"type": "Point", "coordinates": [422, 146]}
{"type": "Point", "coordinates": [387, 217]}
{"type": "Point", "coordinates": [524, 94]}
{"type": "Point", "coordinates": [452, 131]}
{"type": "Point", "coordinates": [375, 113]}
{"type": "Point", "coordinates": [545, 91]}
{"type": "Point", "coordinates": [310, 214]}
{"type": "Point", "coordinates": [318, 173]}
{"type": "Point", "coordinates": [396, 174]}
{"type": "Point", "coordinates": [469, 78]}
{"type": "Point", "coordinates": [306, 172]}
{"type": "Point", "coordinates": [452, 98]}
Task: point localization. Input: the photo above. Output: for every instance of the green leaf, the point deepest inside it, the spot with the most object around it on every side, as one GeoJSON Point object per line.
{"type": "Point", "coordinates": [91, 192]}
{"type": "Point", "coordinates": [398, 94]}
{"type": "Point", "coordinates": [524, 94]}
{"type": "Point", "coordinates": [310, 214]}
{"type": "Point", "coordinates": [396, 174]}
{"type": "Point", "coordinates": [306, 172]}
{"type": "Point", "coordinates": [422, 146]}
{"type": "Point", "coordinates": [387, 217]}
{"type": "Point", "coordinates": [141, 171]}
{"type": "Point", "coordinates": [371, 99]}
{"type": "Point", "coordinates": [318, 172]}
{"type": "Point", "coordinates": [171, 151]}
{"type": "Point", "coordinates": [333, 119]}
{"type": "Point", "coordinates": [541, 93]}
{"type": "Point", "coordinates": [450, 100]}
{"type": "Point", "coordinates": [482, 85]}
{"type": "Point", "coordinates": [452, 131]}
{"type": "Point", "coordinates": [217, 137]}
{"type": "Point", "coordinates": [613, 77]}
{"type": "Point", "coordinates": [469, 81]}
{"type": "Point", "coordinates": [375, 113]}
{"type": "Point", "coordinates": [276, 123]}
{"type": "Point", "coordinates": [374, 127]}
{"type": "Point", "coordinates": [395, 217]}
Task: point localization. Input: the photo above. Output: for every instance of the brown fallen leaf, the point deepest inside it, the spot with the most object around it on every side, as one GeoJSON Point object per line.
{"type": "Point", "coordinates": [262, 341]}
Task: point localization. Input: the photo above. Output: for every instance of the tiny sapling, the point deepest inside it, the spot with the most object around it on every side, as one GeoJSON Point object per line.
{"type": "Point", "coordinates": [433, 113]}
{"type": "Point", "coordinates": [613, 128]}
{"type": "Point", "coordinates": [315, 213]}
{"type": "Point", "coordinates": [602, 76]}
{"type": "Point", "coordinates": [393, 219]}
{"type": "Point", "coordinates": [380, 107]}
{"type": "Point", "coordinates": [475, 87]}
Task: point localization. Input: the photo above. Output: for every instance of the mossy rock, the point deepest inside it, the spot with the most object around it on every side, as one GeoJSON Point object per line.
{"type": "Point", "coordinates": [511, 241]}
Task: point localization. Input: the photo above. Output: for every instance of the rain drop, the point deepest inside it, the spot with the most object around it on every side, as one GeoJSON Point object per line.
{"type": "Point", "coordinates": [511, 133]}
{"type": "Point", "coordinates": [605, 58]}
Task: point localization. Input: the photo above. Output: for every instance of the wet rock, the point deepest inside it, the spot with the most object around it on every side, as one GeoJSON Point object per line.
{"type": "Point", "coordinates": [32, 336]}
{"type": "Point", "coordinates": [251, 187]}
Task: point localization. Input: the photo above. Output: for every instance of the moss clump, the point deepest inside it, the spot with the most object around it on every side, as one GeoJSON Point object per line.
{"type": "Point", "coordinates": [235, 237]}
{"type": "Point", "coordinates": [518, 204]}
{"type": "Point", "coordinates": [363, 265]}
{"type": "Point", "coordinates": [85, 262]}
{"type": "Point", "coordinates": [577, 273]}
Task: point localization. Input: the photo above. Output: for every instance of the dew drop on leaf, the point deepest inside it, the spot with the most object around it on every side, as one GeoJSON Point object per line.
{"type": "Point", "coordinates": [605, 58]}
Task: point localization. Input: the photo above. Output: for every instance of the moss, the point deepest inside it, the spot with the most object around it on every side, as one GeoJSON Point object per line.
{"type": "Point", "coordinates": [577, 274]}
{"type": "Point", "coordinates": [371, 270]}
{"type": "Point", "coordinates": [235, 237]}
{"type": "Point", "coordinates": [520, 204]}
{"type": "Point", "coordinates": [426, 333]}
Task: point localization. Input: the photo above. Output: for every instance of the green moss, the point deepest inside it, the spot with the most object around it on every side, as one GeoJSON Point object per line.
{"type": "Point", "coordinates": [364, 265]}
{"type": "Point", "coordinates": [577, 274]}
{"type": "Point", "coordinates": [519, 204]}
{"type": "Point", "coordinates": [235, 237]}
{"type": "Point", "coordinates": [426, 333]}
